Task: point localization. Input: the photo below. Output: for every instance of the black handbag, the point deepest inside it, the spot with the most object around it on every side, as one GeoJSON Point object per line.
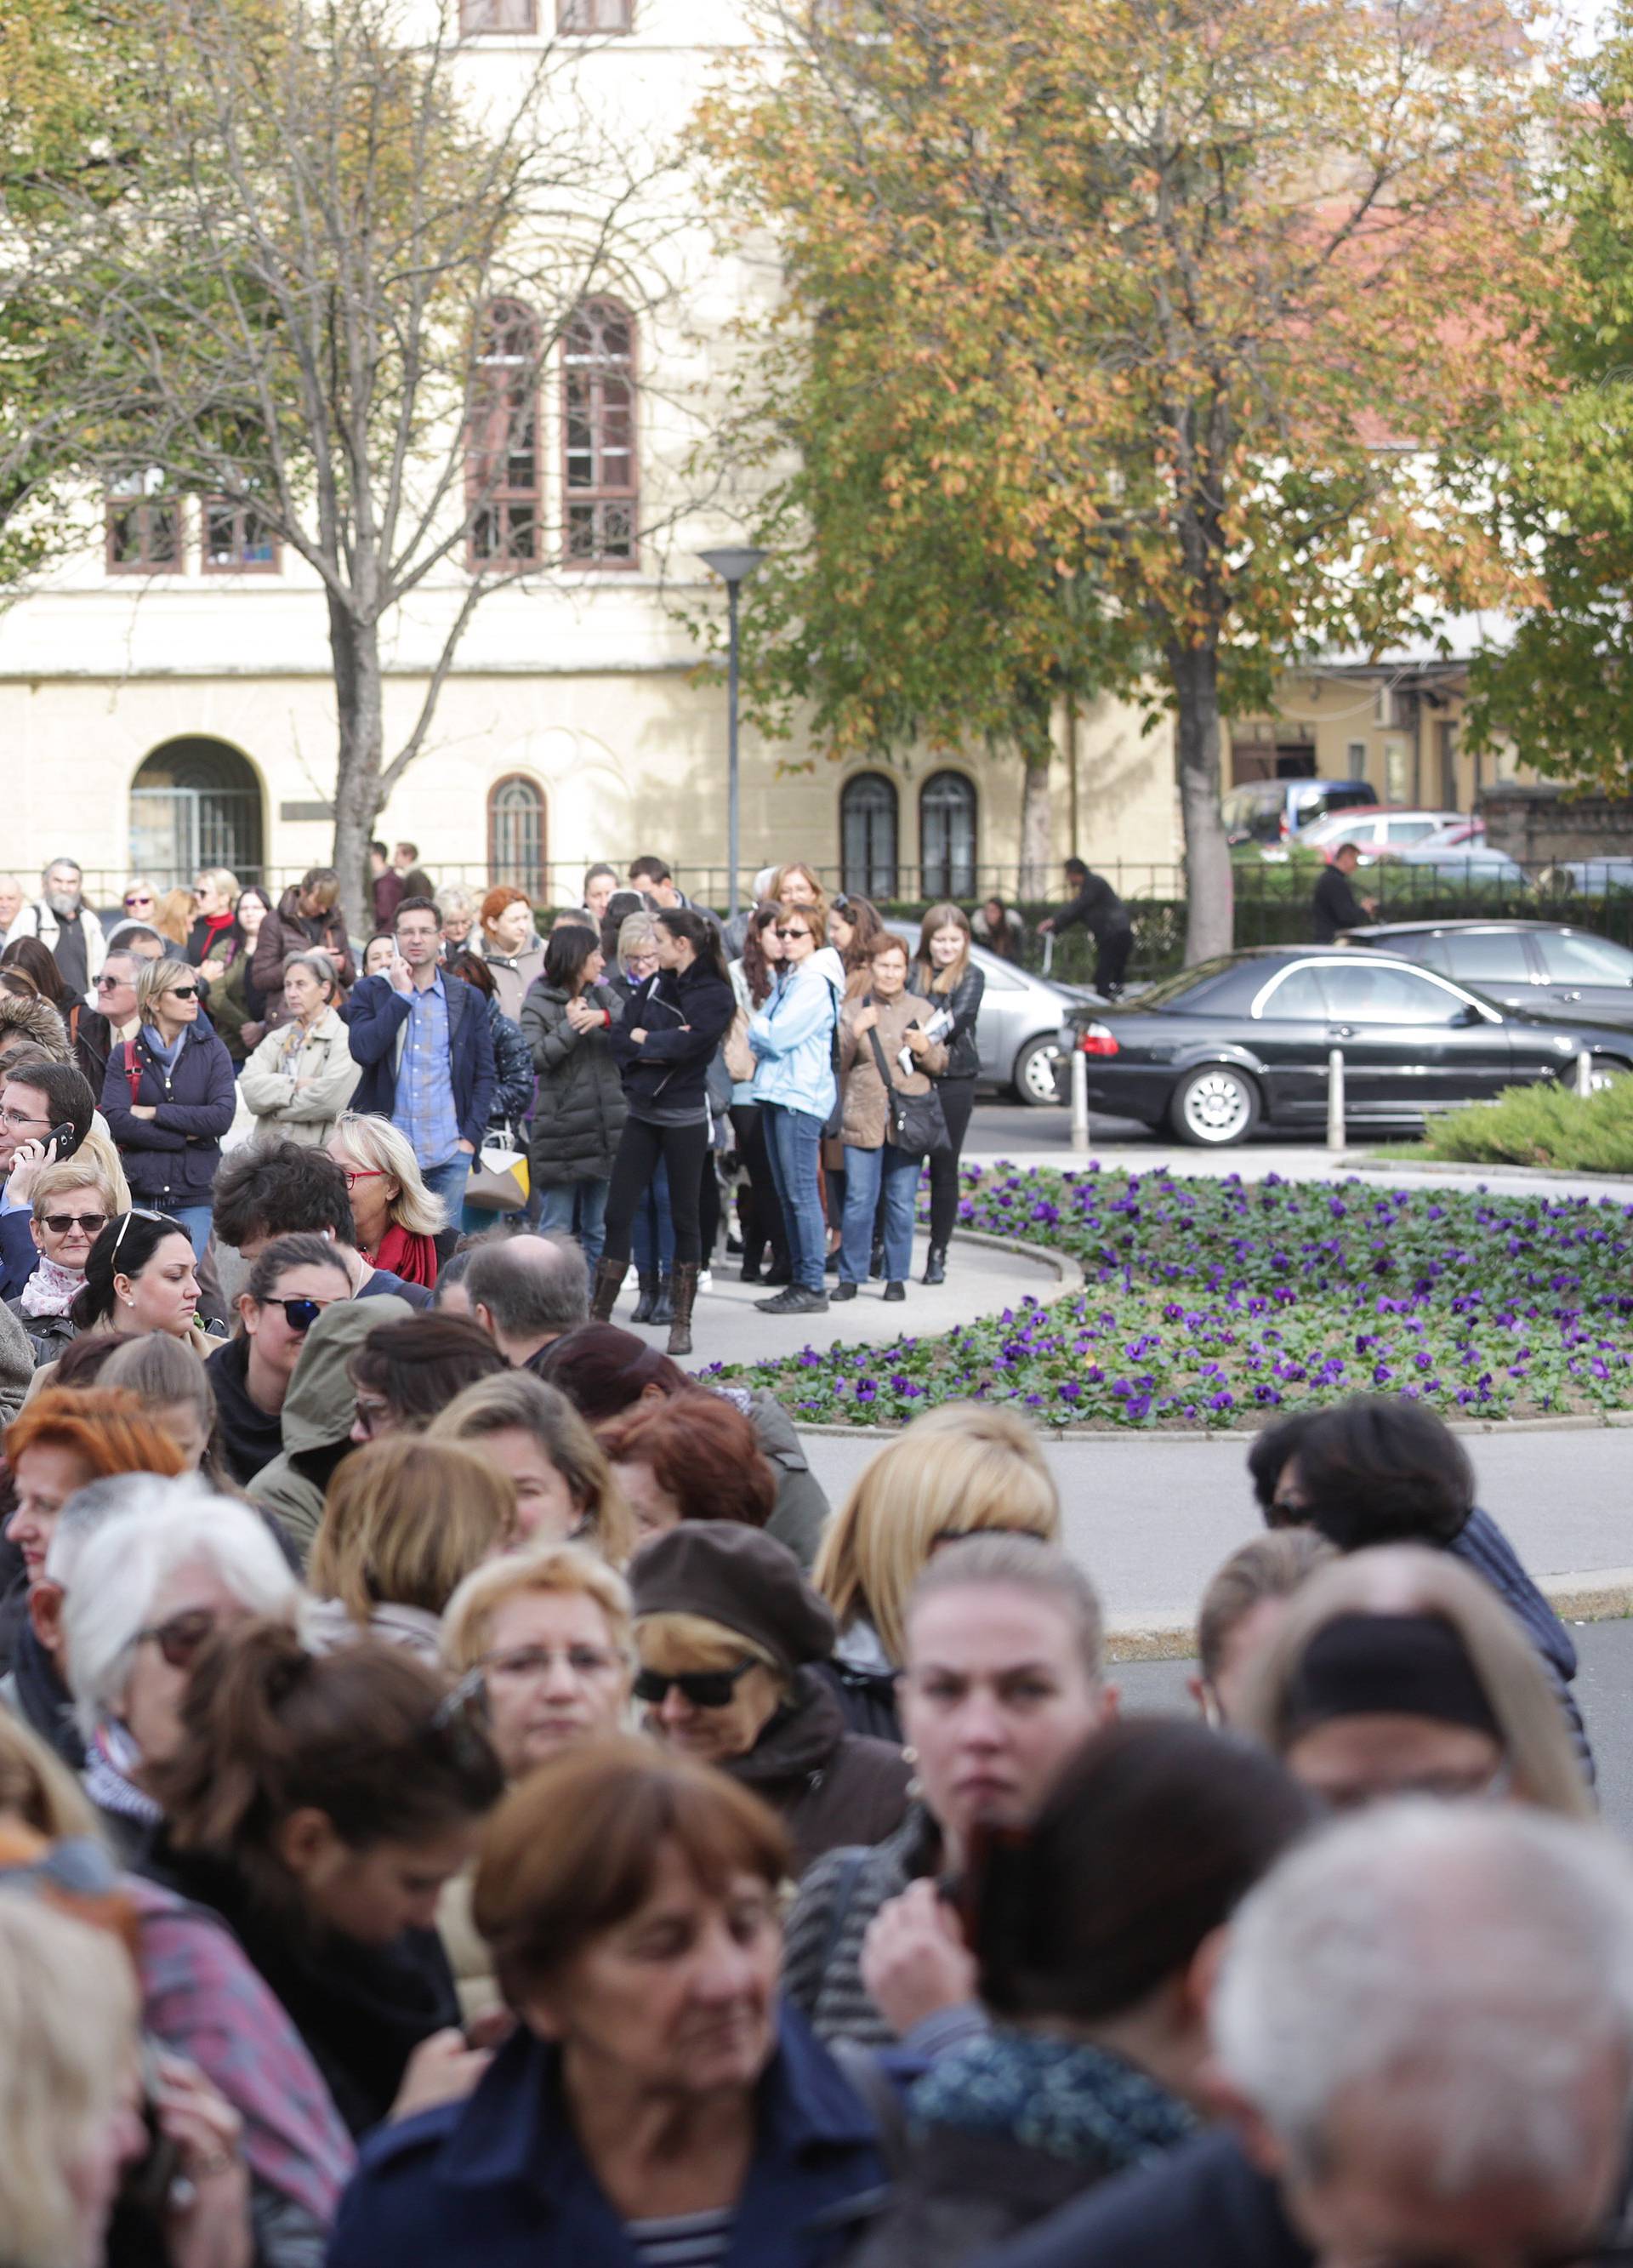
{"type": "Point", "coordinates": [918, 1125]}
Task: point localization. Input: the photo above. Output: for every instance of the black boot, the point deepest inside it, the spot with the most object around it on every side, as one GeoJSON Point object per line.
{"type": "Point", "coordinates": [648, 1300]}
{"type": "Point", "coordinates": [781, 1271]}
{"type": "Point", "coordinates": [609, 1276]}
{"type": "Point", "coordinates": [936, 1265]}
{"type": "Point", "coordinates": [663, 1306]}
{"type": "Point", "coordinates": [682, 1291]}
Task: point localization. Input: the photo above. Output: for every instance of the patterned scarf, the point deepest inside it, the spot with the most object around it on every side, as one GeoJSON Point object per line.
{"type": "Point", "coordinates": [111, 1757]}
{"type": "Point", "coordinates": [52, 1289]}
{"type": "Point", "coordinates": [1071, 2102]}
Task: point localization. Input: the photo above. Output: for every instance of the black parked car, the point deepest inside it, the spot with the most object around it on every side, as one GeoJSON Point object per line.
{"type": "Point", "coordinates": [1550, 967]}
{"type": "Point", "coordinates": [1246, 1038]}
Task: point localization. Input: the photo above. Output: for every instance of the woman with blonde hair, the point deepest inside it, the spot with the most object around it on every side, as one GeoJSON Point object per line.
{"type": "Point", "coordinates": [71, 1202]}
{"type": "Point", "coordinates": [943, 971]}
{"type": "Point", "coordinates": [565, 1490]}
{"type": "Point", "coordinates": [956, 1471]}
{"type": "Point", "coordinates": [1397, 1672]}
{"type": "Point", "coordinates": [405, 1521]}
{"type": "Point", "coordinates": [169, 1376]}
{"type": "Point", "coordinates": [302, 1076]}
{"type": "Point", "coordinates": [168, 1096]}
{"type": "Point", "coordinates": [172, 917]}
{"type": "Point", "coordinates": [398, 1218]}
{"type": "Point", "coordinates": [214, 940]}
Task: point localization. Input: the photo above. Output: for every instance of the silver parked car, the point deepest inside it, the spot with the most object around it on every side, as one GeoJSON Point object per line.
{"type": "Point", "coordinates": [1019, 1028]}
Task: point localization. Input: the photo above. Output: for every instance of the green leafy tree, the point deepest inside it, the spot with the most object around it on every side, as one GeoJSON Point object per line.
{"type": "Point", "coordinates": [1175, 303]}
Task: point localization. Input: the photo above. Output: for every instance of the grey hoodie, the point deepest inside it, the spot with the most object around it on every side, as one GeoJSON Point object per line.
{"type": "Point", "coordinates": [318, 1411]}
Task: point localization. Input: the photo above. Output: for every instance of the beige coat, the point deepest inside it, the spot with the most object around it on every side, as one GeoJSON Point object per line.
{"type": "Point", "coordinates": [297, 1083]}
{"type": "Point", "coordinates": [866, 1116]}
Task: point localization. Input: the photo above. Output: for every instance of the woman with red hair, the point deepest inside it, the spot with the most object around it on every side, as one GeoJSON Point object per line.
{"type": "Point", "coordinates": [65, 1439]}
{"type": "Point", "coordinates": [510, 945]}
{"type": "Point", "coordinates": [691, 1457]}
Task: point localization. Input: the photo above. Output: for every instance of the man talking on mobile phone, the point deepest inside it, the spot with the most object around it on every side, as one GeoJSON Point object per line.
{"type": "Point", "coordinates": [46, 1112]}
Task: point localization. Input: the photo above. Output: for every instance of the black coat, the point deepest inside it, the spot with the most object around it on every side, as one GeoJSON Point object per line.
{"type": "Point", "coordinates": [684, 1013]}
{"type": "Point", "coordinates": [827, 1785]}
{"type": "Point", "coordinates": [964, 1001]}
{"type": "Point", "coordinates": [578, 1105]}
{"type": "Point", "coordinates": [1204, 2207]}
{"type": "Point", "coordinates": [1334, 906]}
{"type": "Point", "coordinates": [248, 1440]}
{"type": "Point", "coordinates": [1096, 908]}
{"type": "Point", "coordinates": [171, 1159]}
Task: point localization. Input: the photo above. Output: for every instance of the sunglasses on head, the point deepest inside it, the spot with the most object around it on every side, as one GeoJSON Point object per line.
{"type": "Point", "coordinates": [60, 1223]}
{"type": "Point", "coordinates": [300, 1315]}
{"type": "Point", "coordinates": [181, 1637]}
{"type": "Point", "coordinates": [705, 1688]}
{"type": "Point", "coordinates": [138, 1212]}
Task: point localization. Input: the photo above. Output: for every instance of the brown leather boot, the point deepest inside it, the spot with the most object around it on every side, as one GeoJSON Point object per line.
{"type": "Point", "coordinates": [682, 1291]}
{"type": "Point", "coordinates": [609, 1278]}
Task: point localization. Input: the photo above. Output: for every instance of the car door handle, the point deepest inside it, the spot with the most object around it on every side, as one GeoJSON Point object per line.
{"type": "Point", "coordinates": [1341, 1031]}
{"type": "Point", "coordinates": [1567, 996]}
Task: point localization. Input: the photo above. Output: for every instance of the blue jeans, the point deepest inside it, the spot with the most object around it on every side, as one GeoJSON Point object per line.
{"type": "Point", "coordinates": [652, 1240]}
{"type": "Point", "coordinates": [448, 1182]}
{"type": "Point", "coordinates": [195, 1220]}
{"type": "Point", "coordinates": [864, 1171]}
{"type": "Point", "coordinates": [794, 1144]}
{"type": "Point", "coordinates": [577, 1209]}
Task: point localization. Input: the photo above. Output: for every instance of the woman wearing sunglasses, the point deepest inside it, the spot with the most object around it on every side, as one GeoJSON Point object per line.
{"type": "Point", "coordinates": [792, 1038]}
{"type": "Point", "coordinates": [169, 1096]}
{"type": "Point", "coordinates": [726, 1629]}
{"type": "Point", "coordinates": [302, 1077]}
{"type": "Point", "coordinates": [293, 1280]}
{"type": "Point", "coordinates": [72, 1204]}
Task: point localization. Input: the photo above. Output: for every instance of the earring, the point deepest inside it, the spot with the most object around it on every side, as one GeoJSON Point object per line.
{"type": "Point", "coordinates": [128, 1301]}
{"type": "Point", "coordinates": [915, 1785]}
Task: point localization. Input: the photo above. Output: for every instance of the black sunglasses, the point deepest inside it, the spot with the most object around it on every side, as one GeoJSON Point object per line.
{"type": "Point", "coordinates": [300, 1314]}
{"type": "Point", "coordinates": [795, 933]}
{"type": "Point", "coordinates": [705, 1688]}
{"type": "Point", "coordinates": [60, 1223]}
{"type": "Point", "coordinates": [183, 992]}
{"type": "Point", "coordinates": [183, 1637]}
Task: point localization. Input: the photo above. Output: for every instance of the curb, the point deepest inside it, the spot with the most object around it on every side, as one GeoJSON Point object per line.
{"type": "Point", "coordinates": [1602, 1597]}
{"type": "Point", "coordinates": [1609, 1421]}
{"type": "Point", "coordinates": [1601, 1185]}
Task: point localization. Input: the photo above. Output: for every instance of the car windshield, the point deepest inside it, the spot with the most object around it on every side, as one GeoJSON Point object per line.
{"type": "Point", "coordinates": [1190, 987]}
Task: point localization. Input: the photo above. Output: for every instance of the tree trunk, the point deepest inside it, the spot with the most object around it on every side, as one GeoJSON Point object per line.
{"type": "Point", "coordinates": [1209, 913]}
{"type": "Point", "coordinates": [1037, 749]}
{"type": "Point", "coordinates": [360, 707]}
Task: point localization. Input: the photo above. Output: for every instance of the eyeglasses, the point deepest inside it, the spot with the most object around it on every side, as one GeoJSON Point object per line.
{"type": "Point", "coordinates": [181, 1637]}
{"type": "Point", "coordinates": [139, 898]}
{"type": "Point", "coordinates": [15, 1119]}
{"type": "Point", "coordinates": [582, 1661]}
{"type": "Point", "coordinates": [183, 992]}
{"type": "Point", "coordinates": [792, 932]}
{"type": "Point", "coordinates": [111, 983]}
{"type": "Point", "coordinates": [705, 1688]}
{"type": "Point", "coordinates": [300, 1314]}
{"type": "Point", "coordinates": [60, 1223]}
{"type": "Point", "coordinates": [353, 1174]}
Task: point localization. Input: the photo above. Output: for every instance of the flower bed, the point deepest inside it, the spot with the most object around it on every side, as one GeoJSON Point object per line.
{"type": "Point", "coordinates": [1208, 1302]}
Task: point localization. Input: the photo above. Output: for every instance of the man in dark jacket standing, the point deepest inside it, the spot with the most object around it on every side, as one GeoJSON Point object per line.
{"type": "Point", "coordinates": [1333, 905]}
{"type": "Point", "coordinates": [426, 1047]}
{"type": "Point", "coordinates": [1096, 907]}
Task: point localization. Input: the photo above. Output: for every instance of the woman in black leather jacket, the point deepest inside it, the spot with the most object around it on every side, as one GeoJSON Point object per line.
{"type": "Point", "coordinates": [946, 974]}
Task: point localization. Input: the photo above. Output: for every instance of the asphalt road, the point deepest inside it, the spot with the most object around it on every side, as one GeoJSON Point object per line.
{"type": "Point", "coordinates": [1603, 1688]}
{"type": "Point", "coordinates": [1000, 1123]}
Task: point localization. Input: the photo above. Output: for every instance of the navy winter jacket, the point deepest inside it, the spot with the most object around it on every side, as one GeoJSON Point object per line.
{"type": "Point", "coordinates": [171, 1159]}
{"type": "Point", "coordinates": [376, 1017]}
{"type": "Point", "coordinates": [500, 2179]}
{"type": "Point", "coordinates": [685, 1014]}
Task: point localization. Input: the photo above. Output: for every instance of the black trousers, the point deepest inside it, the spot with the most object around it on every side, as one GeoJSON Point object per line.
{"type": "Point", "coordinates": [958, 1099]}
{"type": "Point", "coordinates": [1112, 948]}
{"type": "Point", "coordinates": [762, 1214]}
{"type": "Point", "coordinates": [685, 1150]}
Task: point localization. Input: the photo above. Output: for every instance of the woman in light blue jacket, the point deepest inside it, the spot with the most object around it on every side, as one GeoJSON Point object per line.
{"type": "Point", "coordinates": [792, 1038]}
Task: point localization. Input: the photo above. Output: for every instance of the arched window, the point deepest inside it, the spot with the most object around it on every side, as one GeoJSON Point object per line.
{"type": "Point", "coordinates": [946, 837]}
{"type": "Point", "coordinates": [501, 465]}
{"type": "Point", "coordinates": [515, 836]}
{"type": "Point", "coordinates": [595, 15]}
{"type": "Point", "coordinates": [195, 802]}
{"type": "Point", "coordinates": [597, 416]}
{"type": "Point", "coordinates": [867, 836]}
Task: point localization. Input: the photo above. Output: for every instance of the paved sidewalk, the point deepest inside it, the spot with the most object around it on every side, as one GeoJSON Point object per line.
{"type": "Point", "coordinates": [727, 1327]}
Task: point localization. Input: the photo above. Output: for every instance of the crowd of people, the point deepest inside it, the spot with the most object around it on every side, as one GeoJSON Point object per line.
{"type": "Point", "coordinates": [465, 1794]}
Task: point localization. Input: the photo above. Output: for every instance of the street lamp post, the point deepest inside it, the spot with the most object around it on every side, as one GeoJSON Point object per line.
{"type": "Point", "coordinates": [734, 563]}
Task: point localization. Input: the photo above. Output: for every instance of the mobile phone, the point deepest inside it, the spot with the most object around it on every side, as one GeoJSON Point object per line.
{"type": "Point", "coordinates": [59, 1142]}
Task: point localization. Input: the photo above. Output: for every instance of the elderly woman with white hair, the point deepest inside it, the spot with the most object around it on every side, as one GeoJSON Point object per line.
{"type": "Point", "coordinates": [151, 1589]}
{"type": "Point", "coordinates": [302, 1076]}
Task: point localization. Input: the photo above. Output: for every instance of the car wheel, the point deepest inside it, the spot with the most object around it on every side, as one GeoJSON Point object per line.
{"type": "Point", "coordinates": [1606, 1071]}
{"type": "Point", "coordinates": [1034, 1072]}
{"type": "Point", "coordinates": [1215, 1106]}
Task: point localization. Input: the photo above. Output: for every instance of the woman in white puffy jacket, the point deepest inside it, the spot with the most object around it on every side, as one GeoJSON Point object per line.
{"type": "Point", "coordinates": [301, 1077]}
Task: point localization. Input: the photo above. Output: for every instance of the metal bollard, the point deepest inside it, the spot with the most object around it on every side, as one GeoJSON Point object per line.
{"type": "Point", "coordinates": [1079, 1099]}
{"type": "Point", "coordinates": [1584, 1073]}
{"type": "Point", "coordinates": [1335, 1099]}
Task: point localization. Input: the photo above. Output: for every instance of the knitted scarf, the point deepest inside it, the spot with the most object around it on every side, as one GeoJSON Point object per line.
{"type": "Point", "coordinates": [1076, 2102]}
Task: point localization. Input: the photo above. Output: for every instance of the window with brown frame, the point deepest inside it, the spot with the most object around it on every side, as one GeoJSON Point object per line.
{"type": "Point", "coordinates": [589, 16]}
{"type": "Point", "coordinates": [601, 476]}
{"type": "Point", "coordinates": [516, 821]}
{"type": "Point", "coordinates": [144, 528]}
{"type": "Point", "coordinates": [479, 16]}
{"type": "Point", "coordinates": [234, 539]}
{"type": "Point", "coordinates": [502, 470]}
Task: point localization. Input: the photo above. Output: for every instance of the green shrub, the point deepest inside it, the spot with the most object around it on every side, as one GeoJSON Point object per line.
{"type": "Point", "coordinates": [1545, 1125]}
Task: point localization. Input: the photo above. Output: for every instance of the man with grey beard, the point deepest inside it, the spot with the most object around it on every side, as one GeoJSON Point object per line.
{"type": "Point", "coordinates": [64, 923]}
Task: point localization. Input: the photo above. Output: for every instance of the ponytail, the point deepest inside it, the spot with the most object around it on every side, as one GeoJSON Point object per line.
{"type": "Point", "coordinates": [699, 933]}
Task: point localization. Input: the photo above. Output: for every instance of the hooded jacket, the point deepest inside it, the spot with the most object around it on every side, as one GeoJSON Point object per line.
{"type": "Point", "coordinates": [579, 1107]}
{"type": "Point", "coordinates": [793, 1036]}
{"type": "Point", "coordinates": [318, 1413]}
